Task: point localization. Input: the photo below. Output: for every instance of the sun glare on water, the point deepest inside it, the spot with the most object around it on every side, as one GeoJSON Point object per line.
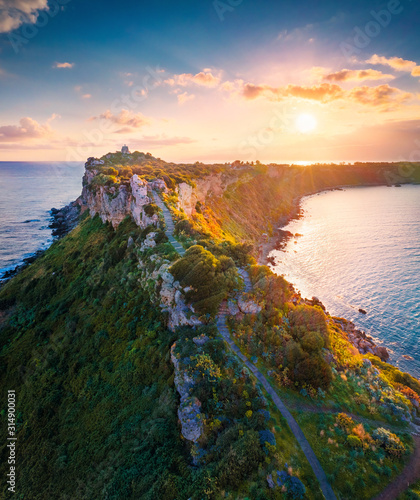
{"type": "Point", "coordinates": [306, 123]}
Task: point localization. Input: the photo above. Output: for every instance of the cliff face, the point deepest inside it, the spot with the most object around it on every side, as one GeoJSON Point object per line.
{"type": "Point", "coordinates": [114, 203]}
{"type": "Point", "coordinates": [212, 186]}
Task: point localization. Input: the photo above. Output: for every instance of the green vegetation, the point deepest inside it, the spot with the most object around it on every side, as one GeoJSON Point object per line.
{"type": "Point", "coordinates": [412, 493]}
{"type": "Point", "coordinates": [86, 347]}
{"type": "Point", "coordinates": [355, 456]}
{"type": "Point", "coordinates": [209, 279]}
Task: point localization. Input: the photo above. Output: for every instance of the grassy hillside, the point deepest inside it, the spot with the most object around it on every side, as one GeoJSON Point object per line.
{"type": "Point", "coordinates": [88, 355]}
{"type": "Point", "coordinates": [86, 348]}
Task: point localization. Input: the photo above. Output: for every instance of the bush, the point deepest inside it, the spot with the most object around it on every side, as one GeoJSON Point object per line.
{"type": "Point", "coordinates": [151, 209]}
{"type": "Point", "coordinates": [344, 421]}
{"type": "Point", "coordinates": [209, 278]}
{"type": "Point", "coordinates": [186, 227]}
{"type": "Point", "coordinates": [354, 441]}
{"type": "Point", "coordinates": [267, 436]}
{"type": "Point", "coordinates": [306, 318]}
{"type": "Point", "coordinates": [391, 442]}
{"type": "Point", "coordinates": [294, 487]}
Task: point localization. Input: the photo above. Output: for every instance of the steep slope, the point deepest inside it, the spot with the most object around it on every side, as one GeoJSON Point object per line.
{"type": "Point", "coordinates": [125, 389]}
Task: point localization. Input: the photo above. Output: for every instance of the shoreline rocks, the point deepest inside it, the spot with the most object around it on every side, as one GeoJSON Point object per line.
{"type": "Point", "coordinates": [362, 342]}
{"type": "Point", "coordinates": [64, 220]}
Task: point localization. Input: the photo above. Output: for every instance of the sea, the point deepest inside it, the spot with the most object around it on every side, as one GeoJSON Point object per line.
{"type": "Point", "coordinates": [360, 248]}
{"type": "Point", "coordinates": [28, 191]}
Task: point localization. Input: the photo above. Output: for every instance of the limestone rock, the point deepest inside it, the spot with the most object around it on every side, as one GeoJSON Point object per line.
{"type": "Point", "coordinates": [248, 306]}
{"type": "Point", "coordinates": [159, 185]}
{"type": "Point", "coordinates": [189, 411]}
{"type": "Point", "coordinates": [149, 242]}
{"type": "Point", "coordinates": [232, 308]}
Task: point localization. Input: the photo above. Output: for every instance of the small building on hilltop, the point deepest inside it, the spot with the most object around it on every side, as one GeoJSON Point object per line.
{"type": "Point", "coordinates": [125, 150]}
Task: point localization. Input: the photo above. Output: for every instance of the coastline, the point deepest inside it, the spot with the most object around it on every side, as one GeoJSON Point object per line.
{"type": "Point", "coordinates": [61, 222]}
{"type": "Point", "coordinates": [361, 340]}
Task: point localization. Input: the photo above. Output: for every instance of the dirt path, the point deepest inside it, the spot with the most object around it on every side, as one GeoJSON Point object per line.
{"type": "Point", "coordinates": [294, 426]}
{"type": "Point", "coordinates": [409, 475]}
{"type": "Point", "coordinates": [223, 330]}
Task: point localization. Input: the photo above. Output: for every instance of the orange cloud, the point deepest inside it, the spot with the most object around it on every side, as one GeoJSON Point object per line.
{"type": "Point", "coordinates": [204, 78]}
{"type": "Point", "coordinates": [27, 129]}
{"type": "Point", "coordinates": [64, 65]}
{"type": "Point", "coordinates": [183, 98]}
{"type": "Point", "coordinates": [398, 63]}
{"type": "Point", "coordinates": [14, 13]}
{"type": "Point", "coordinates": [379, 96]}
{"type": "Point", "coordinates": [323, 93]}
{"type": "Point", "coordinates": [125, 117]}
{"type": "Point", "coordinates": [348, 75]}
{"type": "Point", "coordinates": [383, 95]}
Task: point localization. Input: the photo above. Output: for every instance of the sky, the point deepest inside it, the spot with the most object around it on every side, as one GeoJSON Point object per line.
{"type": "Point", "coordinates": [210, 80]}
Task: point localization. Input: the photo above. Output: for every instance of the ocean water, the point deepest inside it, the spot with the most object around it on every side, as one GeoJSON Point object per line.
{"type": "Point", "coordinates": [27, 193]}
{"type": "Point", "coordinates": [360, 248]}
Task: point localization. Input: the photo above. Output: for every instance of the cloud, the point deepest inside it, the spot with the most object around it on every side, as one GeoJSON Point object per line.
{"type": "Point", "coordinates": [183, 98]}
{"type": "Point", "coordinates": [204, 78]}
{"type": "Point", "coordinates": [416, 71]}
{"type": "Point", "coordinates": [14, 13]}
{"type": "Point", "coordinates": [86, 96]}
{"type": "Point", "coordinates": [323, 93]}
{"type": "Point", "coordinates": [128, 119]}
{"type": "Point", "coordinates": [63, 65]}
{"type": "Point", "coordinates": [27, 129]}
{"type": "Point", "coordinates": [348, 75]}
{"type": "Point", "coordinates": [397, 63]}
{"type": "Point", "coordinates": [383, 95]}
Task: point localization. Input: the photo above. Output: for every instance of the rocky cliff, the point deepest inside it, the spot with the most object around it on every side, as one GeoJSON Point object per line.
{"type": "Point", "coordinates": [115, 202]}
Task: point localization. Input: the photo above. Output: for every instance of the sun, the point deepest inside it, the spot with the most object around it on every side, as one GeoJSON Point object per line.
{"type": "Point", "coordinates": [306, 123]}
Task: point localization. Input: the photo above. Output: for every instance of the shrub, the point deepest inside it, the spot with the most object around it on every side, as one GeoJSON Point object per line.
{"type": "Point", "coordinates": [186, 227]}
{"type": "Point", "coordinates": [209, 278]}
{"type": "Point", "coordinates": [267, 436]}
{"type": "Point", "coordinates": [391, 442]}
{"type": "Point", "coordinates": [354, 441]}
{"type": "Point", "coordinates": [125, 172]}
{"type": "Point", "coordinates": [304, 318]}
{"type": "Point", "coordinates": [344, 421]}
{"type": "Point", "coordinates": [110, 171]}
{"type": "Point", "coordinates": [151, 209]}
{"type": "Point", "coordinates": [294, 487]}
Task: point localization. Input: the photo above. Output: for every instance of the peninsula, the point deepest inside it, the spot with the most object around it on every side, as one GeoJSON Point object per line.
{"type": "Point", "coordinates": [152, 356]}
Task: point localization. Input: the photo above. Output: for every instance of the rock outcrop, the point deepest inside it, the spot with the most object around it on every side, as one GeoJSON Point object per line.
{"type": "Point", "coordinates": [167, 292]}
{"type": "Point", "coordinates": [114, 203]}
{"type": "Point", "coordinates": [210, 186]}
{"type": "Point", "coordinates": [189, 412]}
{"type": "Point", "coordinates": [362, 342]}
{"type": "Point", "coordinates": [64, 219]}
